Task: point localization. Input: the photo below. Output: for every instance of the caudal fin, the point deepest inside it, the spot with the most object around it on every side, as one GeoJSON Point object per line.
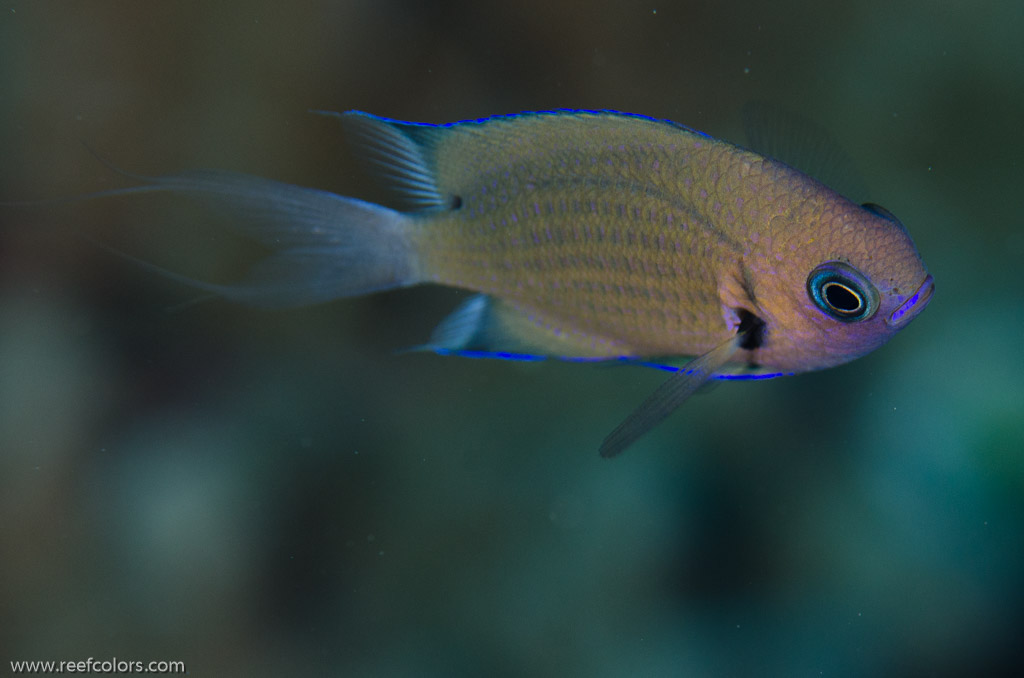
{"type": "Point", "coordinates": [322, 246]}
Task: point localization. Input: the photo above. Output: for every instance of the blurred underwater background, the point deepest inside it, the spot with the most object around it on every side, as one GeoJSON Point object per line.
{"type": "Point", "coordinates": [264, 493]}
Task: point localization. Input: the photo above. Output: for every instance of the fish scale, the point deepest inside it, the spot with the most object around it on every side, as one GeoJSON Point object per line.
{"type": "Point", "coordinates": [606, 261]}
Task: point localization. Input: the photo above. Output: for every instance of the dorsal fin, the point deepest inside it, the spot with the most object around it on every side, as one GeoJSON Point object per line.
{"type": "Point", "coordinates": [398, 154]}
{"type": "Point", "coordinates": [802, 144]}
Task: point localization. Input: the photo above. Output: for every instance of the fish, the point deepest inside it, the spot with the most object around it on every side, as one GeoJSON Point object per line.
{"type": "Point", "coordinates": [589, 236]}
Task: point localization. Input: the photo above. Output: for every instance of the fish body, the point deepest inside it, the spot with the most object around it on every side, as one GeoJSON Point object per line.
{"type": "Point", "coordinates": [619, 235]}
{"type": "Point", "coordinates": [589, 235]}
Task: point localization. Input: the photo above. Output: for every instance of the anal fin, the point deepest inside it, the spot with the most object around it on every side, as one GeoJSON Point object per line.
{"type": "Point", "coordinates": [483, 324]}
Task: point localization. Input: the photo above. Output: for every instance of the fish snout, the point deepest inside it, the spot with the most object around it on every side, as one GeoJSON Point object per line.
{"type": "Point", "coordinates": [914, 304]}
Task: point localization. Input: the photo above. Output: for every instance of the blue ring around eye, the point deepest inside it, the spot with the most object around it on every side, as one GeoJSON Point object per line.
{"type": "Point", "coordinates": [842, 292]}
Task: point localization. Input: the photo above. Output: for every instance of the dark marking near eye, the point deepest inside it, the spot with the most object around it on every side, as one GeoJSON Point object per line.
{"type": "Point", "coordinates": [455, 202]}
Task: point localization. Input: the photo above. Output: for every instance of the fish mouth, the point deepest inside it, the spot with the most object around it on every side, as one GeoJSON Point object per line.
{"type": "Point", "coordinates": [909, 309]}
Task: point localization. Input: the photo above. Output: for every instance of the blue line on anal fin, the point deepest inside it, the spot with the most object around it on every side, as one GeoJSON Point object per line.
{"type": "Point", "coordinates": [492, 355]}
{"type": "Point", "coordinates": [730, 372]}
{"type": "Point", "coordinates": [484, 327]}
{"type": "Point", "coordinates": [462, 328]}
{"type": "Point", "coordinates": [753, 377]}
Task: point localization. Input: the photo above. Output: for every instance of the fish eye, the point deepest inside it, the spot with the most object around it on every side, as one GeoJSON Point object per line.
{"type": "Point", "coordinates": [842, 292]}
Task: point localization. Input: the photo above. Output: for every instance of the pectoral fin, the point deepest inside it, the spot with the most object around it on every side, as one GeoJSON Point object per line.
{"type": "Point", "coordinates": [670, 395]}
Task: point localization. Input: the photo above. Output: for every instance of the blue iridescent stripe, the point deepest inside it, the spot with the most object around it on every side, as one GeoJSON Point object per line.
{"type": "Point", "coordinates": [527, 357]}
{"type": "Point", "coordinates": [526, 114]}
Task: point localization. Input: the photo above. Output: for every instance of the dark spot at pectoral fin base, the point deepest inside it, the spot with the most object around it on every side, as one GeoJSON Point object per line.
{"type": "Point", "coordinates": [751, 329]}
{"type": "Point", "coordinates": [486, 327]}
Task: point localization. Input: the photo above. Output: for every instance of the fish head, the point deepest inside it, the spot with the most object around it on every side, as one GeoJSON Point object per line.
{"type": "Point", "coordinates": [836, 289]}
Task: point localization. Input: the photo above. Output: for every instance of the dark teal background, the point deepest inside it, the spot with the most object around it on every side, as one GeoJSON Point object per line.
{"type": "Point", "coordinates": [280, 493]}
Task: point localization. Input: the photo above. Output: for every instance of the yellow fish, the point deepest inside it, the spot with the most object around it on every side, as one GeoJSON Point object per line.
{"type": "Point", "coordinates": [590, 235]}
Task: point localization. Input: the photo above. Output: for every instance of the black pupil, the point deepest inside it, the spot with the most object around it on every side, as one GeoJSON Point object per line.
{"type": "Point", "coordinates": [841, 298]}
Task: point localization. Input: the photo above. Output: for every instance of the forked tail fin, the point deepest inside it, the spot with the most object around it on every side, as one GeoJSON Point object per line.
{"type": "Point", "coordinates": [322, 246]}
